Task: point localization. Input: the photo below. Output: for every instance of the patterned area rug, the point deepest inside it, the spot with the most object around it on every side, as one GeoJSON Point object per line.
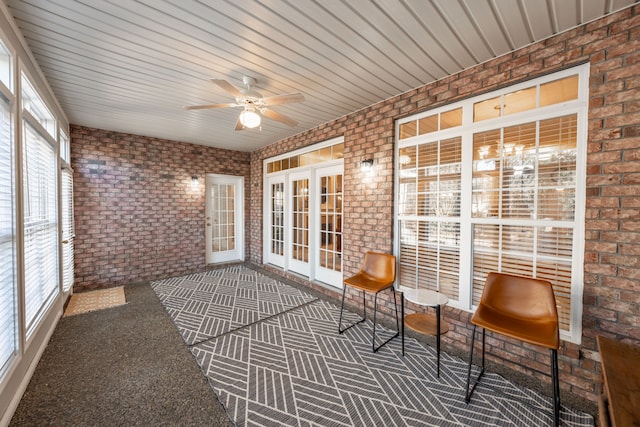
{"type": "Point", "coordinates": [206, 305]}
{"type": "Point", "coordinates": [294, 369]}
{"type": "Point", "coordinates": [86, 302]}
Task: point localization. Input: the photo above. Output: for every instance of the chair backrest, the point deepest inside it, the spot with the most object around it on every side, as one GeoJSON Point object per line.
{"type": "Point", "coordinates": [520, 297]}
{"type": "Point", "coordinates": [379, 266]}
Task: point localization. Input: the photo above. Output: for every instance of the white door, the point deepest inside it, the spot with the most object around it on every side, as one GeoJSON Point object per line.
{"type": "Point", "coordinates": [224, 218]}
{"type": "Point", "coordinates": [328, 229]}
{"type": "Point", "coordinates": [299, 222]}
{"type": "Point", "coordinates": [275, 227]}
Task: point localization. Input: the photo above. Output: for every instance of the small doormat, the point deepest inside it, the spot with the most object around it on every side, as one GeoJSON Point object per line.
{"type": "Point", "coordinates": [95, 300]}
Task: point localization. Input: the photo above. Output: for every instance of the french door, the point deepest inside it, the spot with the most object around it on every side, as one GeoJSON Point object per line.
{"type": "Point", "coordinates": [328, 232]}
{"type": "Point", "coordinates": [275, 208]}
{"type": "Point", "coordinates": [224, 218]}
{"type": "Point", "coordinates": [303, 222]}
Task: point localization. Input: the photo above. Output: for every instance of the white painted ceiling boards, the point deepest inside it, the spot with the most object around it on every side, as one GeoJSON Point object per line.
{"type": "Point", "coordinates": [132, 65]}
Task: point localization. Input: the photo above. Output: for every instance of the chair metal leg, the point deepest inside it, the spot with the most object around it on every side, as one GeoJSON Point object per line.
{"type": "Point", "coordinates": [438, 339]}
{"type": "Point", "coordinates": [344, 291]}
{"type": "Point", "coordinates": [556, 387]}
{"type": "Point", "coordinates": [395, 303]}
{"type": "Point", "coordinates": [375, 310]}
{"type": "Point", "coordinates": [340, 330]}
{"type": "Point", "coordinates": [468, 393]}
{"type": "Point", "coordinates": [364, 317]}
{"type": "Point", "coordinates": [402, 317]}
{"type": "Point", "coordinates": [555, 379]}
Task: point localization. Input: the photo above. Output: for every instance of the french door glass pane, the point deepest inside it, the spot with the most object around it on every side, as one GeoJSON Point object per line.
{"type": "Point", "coordinates": [7, 237]}
{"type": "Point", "coordinates": [300, 246]}
{"type": "Point", "coordinates": [277, 218]}
{"type": "Point", "coordinates": [223, 230]}
{"type": "Point", "coordinates": [330, 233]}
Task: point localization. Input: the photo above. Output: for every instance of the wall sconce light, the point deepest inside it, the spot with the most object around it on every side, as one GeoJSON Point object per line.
{"type": "Point", "coordinates": [194, 181]}
{"type": "Point", "coordinates": [366, 164]}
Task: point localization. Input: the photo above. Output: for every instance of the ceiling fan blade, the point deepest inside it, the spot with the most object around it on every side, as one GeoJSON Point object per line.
{"type": "Point", "coordinates": [204, 107]}
{"type": "Point", "coordinates": [239, 125]}
{"type": "Point", "coordinates": [225, 85]}
{"type": "Point", "coordinates": [279, 117]}
{"type": "Point", "coordinates": [288, 98]}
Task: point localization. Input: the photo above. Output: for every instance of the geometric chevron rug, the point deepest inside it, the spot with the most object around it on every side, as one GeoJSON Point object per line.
{"type": "Point", "coordinates": [209, 304]}
{"type": "Point", "coordinates": [293, 368]}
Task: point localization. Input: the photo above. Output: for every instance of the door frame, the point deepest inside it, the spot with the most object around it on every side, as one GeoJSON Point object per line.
{"type": "Point", "coordinates": [239, 253]}
{"type": "Point", "coordinates": [269, 256]}
{"type": "Point", "coordinates": [325, 275]}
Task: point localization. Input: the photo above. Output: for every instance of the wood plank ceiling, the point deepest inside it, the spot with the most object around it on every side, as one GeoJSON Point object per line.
{"type": "Point", "coordinates": [131, 65]}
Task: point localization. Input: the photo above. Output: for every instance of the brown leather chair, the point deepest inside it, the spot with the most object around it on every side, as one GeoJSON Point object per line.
{"type": "Point", "coordinates": [377, 274]}
{"type": "Point", "coordinates": [523, 308]}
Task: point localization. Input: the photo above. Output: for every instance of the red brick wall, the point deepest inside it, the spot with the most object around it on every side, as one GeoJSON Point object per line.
{"type": "Point", "coordinates": [612, 270]}
{"type": "Point", "coordinates": [137, 215]}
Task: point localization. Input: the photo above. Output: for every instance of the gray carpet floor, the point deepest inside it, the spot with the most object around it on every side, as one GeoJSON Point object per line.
{"type": "Point", "coordinates": [122, 366]}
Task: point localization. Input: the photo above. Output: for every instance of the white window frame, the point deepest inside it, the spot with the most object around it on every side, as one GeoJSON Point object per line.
{"type": "Point", "coordinates": [29, 343]}
{"type": "Point", "coordinates": [466, 131]}
{"type": "Point", "coordinates": [46, 128]}
{"type": "Point", "coordinates": [65, 146]}
{"type": "Point", "coordinates": [7, 93]}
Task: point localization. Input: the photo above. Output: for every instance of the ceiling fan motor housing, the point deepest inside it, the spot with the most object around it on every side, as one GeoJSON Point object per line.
{"type": "Point", "coordinates": [251, 95]}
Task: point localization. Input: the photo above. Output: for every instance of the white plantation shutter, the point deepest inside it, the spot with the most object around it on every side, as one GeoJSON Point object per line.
{"type": "Point", "coordinates": [68, 230]}
{"type": "Point", "coordinates": [7, 239]}
{"type": "Point", "coordinates": [40, 224]}
{"type": "Point", "coordinates": [430, 186]}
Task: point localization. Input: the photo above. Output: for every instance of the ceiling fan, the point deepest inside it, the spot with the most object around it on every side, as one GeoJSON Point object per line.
{"type": "Point", "coordinates": [253, 104]}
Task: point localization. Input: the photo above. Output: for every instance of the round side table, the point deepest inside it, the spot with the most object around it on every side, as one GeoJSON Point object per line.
{"type": "Point", "coordinates": [425, 323]}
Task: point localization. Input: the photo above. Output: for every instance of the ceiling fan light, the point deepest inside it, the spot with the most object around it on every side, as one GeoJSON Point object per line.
{"type": "Point", "coordinates": [250, 119]}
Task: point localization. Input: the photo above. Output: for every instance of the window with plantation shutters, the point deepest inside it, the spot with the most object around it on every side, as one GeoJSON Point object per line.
{"type": "Point", "coordinates": [430, 224]}
{"type": "Point", "coordinates": [497, 187]}
{"type": "Point", "coordinates": [68, 230]}
{"type": "Point", "coordinates": [527, 195]}
{"type": "Point", "coordinates": [40, 224]}
{"type": "Point", "coordinates": [40, 205]}
{"type": "Point", "coordinates": [8, 291]}
{"type": "Point", "coordinates": [30, 232]}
